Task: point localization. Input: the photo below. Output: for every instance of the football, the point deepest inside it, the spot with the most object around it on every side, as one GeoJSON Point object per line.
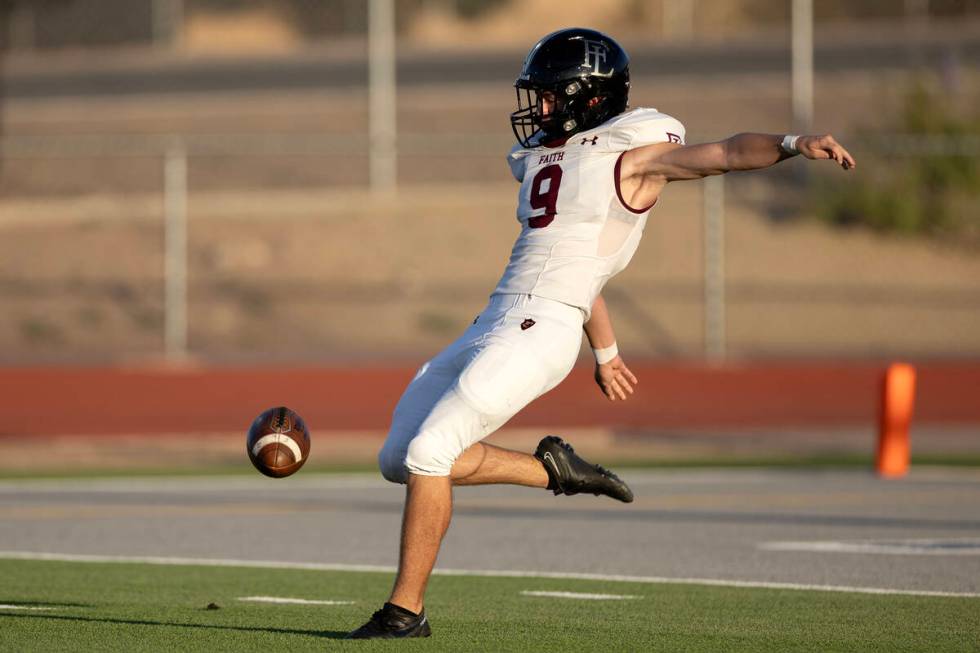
{"type": "Point", "coordinates": [278, 443]}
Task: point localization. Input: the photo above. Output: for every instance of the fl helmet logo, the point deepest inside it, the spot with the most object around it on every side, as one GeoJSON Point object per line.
{"type": "Point", "coordinates": [595, 56]}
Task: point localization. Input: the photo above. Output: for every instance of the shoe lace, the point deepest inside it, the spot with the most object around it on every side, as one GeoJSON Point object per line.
{"type": "Point", "coordinates": [605, 472]}
{"type": "Point", "coordinates": [567, 447]}
{"type": "Point", "coordinates": [599, 468]}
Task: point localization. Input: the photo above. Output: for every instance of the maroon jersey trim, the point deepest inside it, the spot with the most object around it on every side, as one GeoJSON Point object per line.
{"type": "Point", "coordinates": [619, 192]}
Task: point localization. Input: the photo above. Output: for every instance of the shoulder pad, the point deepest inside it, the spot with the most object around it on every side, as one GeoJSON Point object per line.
{"type": "Point", "coordinates": [641, 127]}
{"type": "Point", "coordinates": [517, 159]}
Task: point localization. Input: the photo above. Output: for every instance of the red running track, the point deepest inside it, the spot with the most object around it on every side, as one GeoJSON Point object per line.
{"type": "Point", "coordinates": [88, 401]}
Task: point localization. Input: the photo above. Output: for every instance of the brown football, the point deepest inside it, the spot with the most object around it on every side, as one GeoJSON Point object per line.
{"type": "Point", "coordinates": [278, 443]}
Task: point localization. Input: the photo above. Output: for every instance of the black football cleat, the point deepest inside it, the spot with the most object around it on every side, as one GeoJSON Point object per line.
{"type": "Point", "coordinates": [569, 474]}
{"type": "Point", "coordinates": [393, 622]}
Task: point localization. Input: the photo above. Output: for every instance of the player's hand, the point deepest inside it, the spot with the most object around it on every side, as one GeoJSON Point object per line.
{"type": "Point", "coordinates": [615, 379]}
{"type": "Point", "coordinates": [825, 147]}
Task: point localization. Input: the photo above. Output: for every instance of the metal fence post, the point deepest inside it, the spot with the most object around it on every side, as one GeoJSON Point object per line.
{"type": "Point", "coordinates": [167, 17]}
{"type": "Point", "coordinates": [175, 250]}
{"type": "Point", "coordinates": [381, 102]}
{"type": "Point", "coordinates": [714, 267]}
{"type": "Point", "coordinates": [802, 54]}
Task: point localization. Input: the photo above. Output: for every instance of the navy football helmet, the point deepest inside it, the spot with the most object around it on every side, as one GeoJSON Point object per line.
{"type": "Point", "coordinates": [588, 74]}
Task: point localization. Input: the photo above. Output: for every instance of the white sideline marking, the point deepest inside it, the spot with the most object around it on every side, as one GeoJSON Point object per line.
{"type": "Point", "coordinates": [283, 599]}
{"type": "Point", "coordinates": [4, 606]}
{"type": "Point", "coordinates": [278, 438]}
{"type": "Point", "coordinates": [579, 595]}
{"type": "Point", "coordinates": [944, 547]}
{"type": "Point", "coordinates": [615, 578]}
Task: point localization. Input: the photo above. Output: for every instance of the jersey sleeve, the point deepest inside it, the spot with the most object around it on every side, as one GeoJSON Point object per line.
{"type": "Point", "coordinates": [645, 127]}
{"type": "Point", "coordinates": [517, 159]}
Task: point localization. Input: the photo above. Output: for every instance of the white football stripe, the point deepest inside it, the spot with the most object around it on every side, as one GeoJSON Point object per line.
{"type": "Point", "coordinates": [278, 438]}
{"type": "Point", "coordinates": [4, 606]}
{"type": "Point", "coordinates": [579, 595]}
{"type": "Point", "coordinates": [950, 547]}
{"type": "Point", "coordinates": [490, 573]}
{"type": "Point", "coordinates": [283, 599]}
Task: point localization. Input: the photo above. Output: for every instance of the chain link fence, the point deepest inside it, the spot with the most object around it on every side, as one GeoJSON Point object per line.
{"type": "Point", "coordinates": [277, 248]}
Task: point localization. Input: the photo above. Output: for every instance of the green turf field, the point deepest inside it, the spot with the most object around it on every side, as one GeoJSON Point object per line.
{"type": "Point", "coordinates": [138, 607]}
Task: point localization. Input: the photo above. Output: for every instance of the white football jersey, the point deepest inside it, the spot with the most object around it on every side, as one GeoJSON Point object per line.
{"type": "Point", "coordinates": [576, 229]}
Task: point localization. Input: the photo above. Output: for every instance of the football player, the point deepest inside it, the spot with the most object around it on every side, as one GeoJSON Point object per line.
{"type": "Point", "coordinates": [590, 172]}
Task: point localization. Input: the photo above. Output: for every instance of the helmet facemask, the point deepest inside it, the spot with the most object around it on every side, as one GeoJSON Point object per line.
{"type": "Point", "coordinates": [527, 120]}
{"type": "Point", "coordinates": [575, 106]}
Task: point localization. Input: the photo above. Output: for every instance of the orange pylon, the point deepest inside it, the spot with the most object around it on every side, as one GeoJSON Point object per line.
{"type": "Point", "coordinates": [897, 400]}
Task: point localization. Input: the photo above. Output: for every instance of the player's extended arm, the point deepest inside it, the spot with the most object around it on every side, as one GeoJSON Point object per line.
{"type": "Point", "coordinates": [645, 170]}
{"type": "Point", "coordinates": [614, 378]}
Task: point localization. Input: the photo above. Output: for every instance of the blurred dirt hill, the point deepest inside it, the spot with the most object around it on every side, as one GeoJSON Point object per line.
{"type": "Point", "coordinates": [521, 23]}
{"type": "Point", "coordinates": [291, 258]}
{"type": "Point", "coordinates": [265, 29]}
{"type": "Point", "coordinates": [217, 25]}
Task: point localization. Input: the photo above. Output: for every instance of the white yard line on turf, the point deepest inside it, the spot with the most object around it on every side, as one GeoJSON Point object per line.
{"type": "Point", "coordinates": [947, 547]}
{"type": "Point", "coordinates": [4, 606]}
{"type": "Point", "coordinates": [579, 595]}
{"type": "Point", "coordinates": [489, 573]}
{"type": "Point", "coordinates": [283, 599]}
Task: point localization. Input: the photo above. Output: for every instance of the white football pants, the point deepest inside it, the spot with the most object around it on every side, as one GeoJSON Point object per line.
{"type": "Point", "coordinates": [518, 348]}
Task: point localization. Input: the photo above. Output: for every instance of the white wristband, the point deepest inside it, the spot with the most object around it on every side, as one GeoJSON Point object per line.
{"type": "Point", "coordinates": [789, 144]}
{"type": "Point", "coordinates": [606, 354]}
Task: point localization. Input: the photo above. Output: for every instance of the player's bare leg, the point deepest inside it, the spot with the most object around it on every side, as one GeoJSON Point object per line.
{"type": "Point", "coordinates": [429, 503]}
{"type": "Point", "coordinates": [485, 464]}
{"type": "Point", "coordinates": [554, 465]}
{"type": "Point", "coordinates": [428, 509]}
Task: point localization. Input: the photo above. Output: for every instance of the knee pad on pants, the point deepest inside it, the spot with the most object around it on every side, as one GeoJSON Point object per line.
{"type": "Point", "coordinates": [391, 460]}
{"type": "Point", "coordinates": [451, 427]}
{"type": "Point", "coordinates": [431, 453]}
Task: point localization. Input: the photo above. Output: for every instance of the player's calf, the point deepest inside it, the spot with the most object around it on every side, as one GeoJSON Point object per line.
{"type": "Point", "coordinates": [569, 474]}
